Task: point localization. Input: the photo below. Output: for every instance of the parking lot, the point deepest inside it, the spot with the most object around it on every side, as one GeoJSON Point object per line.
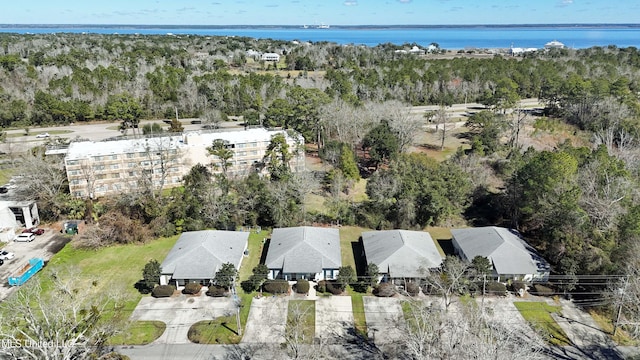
{"type": "Point", "coordinates": [44, 246]}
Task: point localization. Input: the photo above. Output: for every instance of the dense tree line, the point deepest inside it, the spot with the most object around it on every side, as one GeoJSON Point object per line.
{"type": "Point", "coordinates": [577, 203]}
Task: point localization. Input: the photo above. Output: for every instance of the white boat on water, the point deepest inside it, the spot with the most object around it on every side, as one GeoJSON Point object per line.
{"type": "Point", "coordinates": [323, 26]}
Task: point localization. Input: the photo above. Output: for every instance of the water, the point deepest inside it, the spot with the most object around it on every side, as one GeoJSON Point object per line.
{"type": "Point", "coordinates": [446, 37]}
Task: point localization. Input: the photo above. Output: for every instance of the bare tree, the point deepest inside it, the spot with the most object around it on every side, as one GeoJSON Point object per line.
{"type": "Point", "coordinates": [448, 280]}
{"type": "Point", "coordinates": [66, 322]}
{"type": "Point", "coordinates": [466, 333]}
{"type": "Point", "coordinates": [402, 122]}
{"type": "Point", "coordinates": [442, 117]}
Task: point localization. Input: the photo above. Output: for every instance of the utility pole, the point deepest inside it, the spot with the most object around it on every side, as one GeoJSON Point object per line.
{"type": "Point", "coordinates": [623, 292]}
{"type": "Point", "coordinates": [484, 286]}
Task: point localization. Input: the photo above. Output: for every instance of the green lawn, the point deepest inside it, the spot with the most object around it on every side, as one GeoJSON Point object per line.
{"type": "Point", "coordinates": [139, 333]}
{"type": "Point", "coordinates": [308, 322]}
{"type": "Point", "coordinates": [359, 319]}
{"type": "Point", "coordinates": [5, 175]}
{"type": "Point", "coordinates": [349, 235]}
{"type": "Point", "coordinates": [538, 314]}
{"type": "Point", "coordinates": [222, 330]}
{"type": "Point", "coordinates": [621, 337]}
{"type": "Point", "coordinates": [115, 268]}
{"type": "Point", "coordinates": [255, 247]}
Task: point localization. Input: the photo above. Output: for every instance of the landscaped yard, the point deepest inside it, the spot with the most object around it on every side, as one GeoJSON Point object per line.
{"type": "Point", "coordinates": [110, 268]}
{"type": "Point", "coordinates": [222, 330]}
{"type": "Point", "coordinates": [139, 333]}
{"type": "Point", "coordinates": [538, 314]}
{"type": "Point", "coordinates": [359, 319]}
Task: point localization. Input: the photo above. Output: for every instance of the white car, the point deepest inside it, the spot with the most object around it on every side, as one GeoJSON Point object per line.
{"type": "Point", "coordinates": [42, 135]}
{"type": "Point", "coordinates": [25, 237]}
{"type": "Point", "coordinates": [5, 255]}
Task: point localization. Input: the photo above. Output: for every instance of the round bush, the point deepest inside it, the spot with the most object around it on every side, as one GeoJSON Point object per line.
{"type": "Point", "coordinates": [302, 286]}
{"type": "Point", "coordinates": [192, 288]}
{"type": "Point", "coordinates": [412, 288]}
{"type": "Point", "coordinates": [335, 287]}
{"type": "Point", "coordinates": [276, 286]}
{"type": "Point", "coordinates": [385, 290]}
{"type": "Point", "coordinates": [516, 286]}
{"type": "Point", "coordinates": [163, 291]}
{"type": "Point", "coordinates": [322, 286]}
{"type": "Point", "coordinates": [496, 288]}
{"type": "Point", "coordinates": [216, 291]}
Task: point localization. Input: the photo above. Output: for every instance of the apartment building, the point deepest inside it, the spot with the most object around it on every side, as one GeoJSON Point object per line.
{"type": "Point", "coordinates": [96, 169]}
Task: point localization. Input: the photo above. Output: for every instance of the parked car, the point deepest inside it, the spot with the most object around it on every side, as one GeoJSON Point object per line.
{"type": "Point", "coordinates": [5, 255]}
{"type": "Point", "coordinates": [25, 237]}
{"type": "Point", "coordinates": [42, 135]}
{"type": "Point", "coordinates": [33, 231]}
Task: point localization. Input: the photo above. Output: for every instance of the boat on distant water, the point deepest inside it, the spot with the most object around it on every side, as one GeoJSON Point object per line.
{"type": "Point", "coordinates": [305, 26]}
{"type": "Point", "coordinates": [323, 26]}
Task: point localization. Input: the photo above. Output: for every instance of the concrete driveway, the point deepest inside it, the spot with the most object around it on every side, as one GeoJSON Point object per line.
{"type": "Point", "coordinates": [180, 312]}
{"type": "Point", "coordinates": [267, 320]}
{"type": "Point", "coordinates": [385, 320]}
{"type": "Point", "coordinates": [334, 318]}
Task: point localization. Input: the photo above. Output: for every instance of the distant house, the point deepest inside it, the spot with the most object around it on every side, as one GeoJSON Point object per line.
{"type": "Point", "coordinates": [305, 252]}
{"type": "Point", "coordinates": [198, 255]}
{"type": "Point", "coordinates": [15, 213]}
{"type": "Point", "coordinates": [401, 254]}
{"type": "Point", "coordinates": [555, 44]}
{"type": "Point", "coordinates": [511, 256]}
{"type": "Point", "coordinates": [270, 57]}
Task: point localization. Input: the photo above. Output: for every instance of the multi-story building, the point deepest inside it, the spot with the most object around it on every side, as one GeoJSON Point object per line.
{"type": "Point", "coordinates": [96, 169]}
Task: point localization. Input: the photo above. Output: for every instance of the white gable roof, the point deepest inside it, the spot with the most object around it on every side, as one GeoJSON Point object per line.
{"type": "Point", "coordinates": [505, 249]}
{"type": "Point", "coordinates": [401, 253]}
{"type": "Point", "coordinates": [304, 249]}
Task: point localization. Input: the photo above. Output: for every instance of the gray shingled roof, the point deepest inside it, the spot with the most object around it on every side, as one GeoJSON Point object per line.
{"type": "Point", "coordinates": [199, 254]}
{"type": "Point", "coordinates": [304, 249]}
{"type": "Point", "coordinates": [506, 250]}
{"type": "Point", "coordinates": [401, 253]}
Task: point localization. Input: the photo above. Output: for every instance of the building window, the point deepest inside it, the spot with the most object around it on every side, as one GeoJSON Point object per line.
{"type": "Point", "coordinates": [72, 162]}
{"type": "Point", "coordinates": [101, 176]}
{"type": "Point", "coordinates": [241, 146]}
{"type": "Point", "coordinates": [242, 153]}
{"type": "Point", "coordinates": [132, 173]}
{"type": "Point", "coordinates": [130, 155]}
{"type": "Point", "coordinates": [115, 166]}
{"type": "Point", "coordinates": [98, 167]}
{"type": "Point", "coordinates": [132, 164]}
{"type": "Point", "coordinates": [116, 175]}
{"type": "Point", "coordinates": [254, 152]}
{"type": "Point", "coordinates": [114, 157]}
{"type": "Point", "coordinates": [97, 158]}
{"type": "Point", "coordinates": [253, 144]}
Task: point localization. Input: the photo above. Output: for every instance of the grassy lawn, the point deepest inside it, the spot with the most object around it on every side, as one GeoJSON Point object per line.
{"type": "Point", "coordinates": [360, 321]}
{"type": "Point", "coordinates": [114, 268]}
{"type": "Point", "coordinates": [621, 337]}
{"type": "Point", "coordinates": [5, 175]}
{"type": "Point", "coordinates": [255, 251]}
{"type": "Point", "coordinates": [308, 321]}
{"type": "Point", "coordinates": [348, 236]}
{"type": "Point", "coordinates": [222, 330]}
{"type": "Point", "coordinates": [139, 333]}
{"type": "Point", "coordinates": [442, 238]}
{"type": "Point", "coordinates": [538, 314]}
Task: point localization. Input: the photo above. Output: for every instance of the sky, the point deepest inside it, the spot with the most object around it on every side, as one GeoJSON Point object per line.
{"type": "Point", "coordinates": [315, 12]}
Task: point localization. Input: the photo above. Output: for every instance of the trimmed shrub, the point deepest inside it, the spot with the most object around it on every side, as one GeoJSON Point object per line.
{"type": "Point", "coordinates": [516, 286]}
{"type": "Point", "coordinates": [335, 287]}
{"type": "Point", "coordinates": [385, 290]}
{"type": "Point", "coordinates": [248, 286]}
{"type": "Point", "coordinates": [542, 290]}
{"type": "Point", "coordinates": [412, 288]}
{"type": "Point", "coordinates": [192, 288]}
{"type": "Point", "coordinates": [216, 291]}
{"type": "Point", "coordinates": [302, 286]}
{"type": "Point", "coordinates": [360, 286]}
{"type": "Point", "coordinates": [496, 288]}
{"type": "Point", "coordinates": [163, 291]}
{"type": "Point", "coordinates": [276, 286]}
{"type": "Point", "coordinates": [322, 286]}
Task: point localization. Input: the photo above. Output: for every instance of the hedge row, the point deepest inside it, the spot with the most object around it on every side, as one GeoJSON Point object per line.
{"type": "Point", "coordinates": [192, 289]}
{"type": "Point", "coordinates": [276, 286]}
{"type": "Point", "coordinates": [302, 286]}
{"type": "Point", "coordinates": [216, 291]}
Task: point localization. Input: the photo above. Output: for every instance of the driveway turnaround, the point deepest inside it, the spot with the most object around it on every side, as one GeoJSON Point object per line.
{"type": "Point", "coordinates": [385, 320]}
{"type": "Point", "coordinates": [267, 320]}
{"type": "Point", "coordinates": [334, 318]}
{"type": "Point", "coordinates": [180, 312]}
